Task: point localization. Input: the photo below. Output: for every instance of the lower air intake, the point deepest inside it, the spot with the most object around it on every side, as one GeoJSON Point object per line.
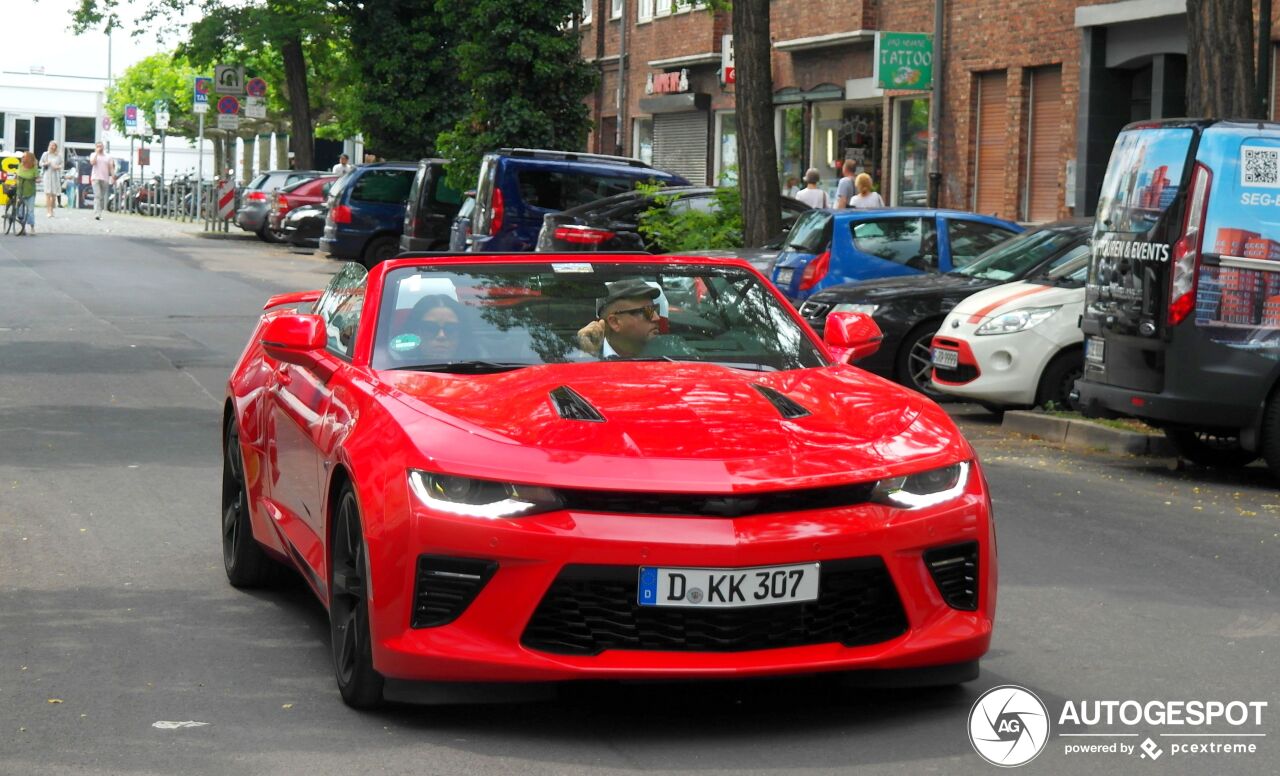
{"type": "Point", "coordinates": [446, 586]}
{"type": "Point", "coordinates": [955, 572]}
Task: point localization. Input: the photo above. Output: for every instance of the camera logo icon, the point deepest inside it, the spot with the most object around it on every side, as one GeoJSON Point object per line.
{"type": "Point", "coordinates": [1008, 726]}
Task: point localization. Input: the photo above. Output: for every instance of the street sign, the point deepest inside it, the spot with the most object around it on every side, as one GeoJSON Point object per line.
{"type": "Point", "coordinates": [130, 119]}
{"type": "Point", "coordinates": [162, 114]}
{"type": "Point", "coordinates": [228, 121]}
{"type": "Point", "coordinates": [228, 79]}
{"type": "Point", "coordinates": [226, 200]}
{"type": "Point", "coordinates": [728, 73]}
{"type": "Point", "coordinates": [106, 123]}
{"type": "Point", "coordinates": [200, 96]}
{"type": "Point", "coordinates": [228, 106]}
{"type": "Point", "coordinates": [255, 107]}
{"type": "Point", "coordinates": [906, 60]}
{"type": "Point", "coordinates": [256, 87]}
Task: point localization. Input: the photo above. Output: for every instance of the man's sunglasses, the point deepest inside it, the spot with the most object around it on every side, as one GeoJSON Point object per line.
{"type": "Point", "coordinates": [649, 311]}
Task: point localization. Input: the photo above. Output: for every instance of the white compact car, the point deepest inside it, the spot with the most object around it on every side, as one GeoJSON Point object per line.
{"type": "Point", "coordinates": [1015, 345]}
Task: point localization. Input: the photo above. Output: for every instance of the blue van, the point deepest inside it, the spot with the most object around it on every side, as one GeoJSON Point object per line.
{"type": "Point", "coordinates": [366, 212]}
{"type": "Point", "coordinates": [519, 186]}
{"type": "Point", "coordinates": [1182, 304]}
{"type": "Point", "coordinates": [828, 247]}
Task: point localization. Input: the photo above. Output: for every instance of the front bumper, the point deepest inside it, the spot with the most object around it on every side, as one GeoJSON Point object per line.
{"type": "Point", "coordinates": [487, 641]}
{"type": "Point", "coordinates": [1001, 369]}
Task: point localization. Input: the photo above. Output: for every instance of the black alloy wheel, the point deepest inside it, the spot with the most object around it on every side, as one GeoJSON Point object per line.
{"type": "Point", "coordinates": [360, 685]}
{"type": "Point", "coordinates": [1210, 448]}
{"type": "Point", "coordinates": [914, 367]}
{"type": "Point", "coordinates": [246, 563]}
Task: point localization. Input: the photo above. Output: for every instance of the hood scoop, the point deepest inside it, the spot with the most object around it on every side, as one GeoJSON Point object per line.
{"type": "Point", "coordinates": [571, 406]}
{"type": "Point", "coordinates": [786, 406]}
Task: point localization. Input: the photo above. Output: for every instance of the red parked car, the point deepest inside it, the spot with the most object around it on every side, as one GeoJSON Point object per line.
{"type": "Point", "coordinates": [476, 495]}
{"type": "Point", "coordinates": [312, 191]}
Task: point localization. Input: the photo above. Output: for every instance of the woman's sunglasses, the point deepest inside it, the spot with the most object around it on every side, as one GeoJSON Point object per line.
{"type": "Point", "coordinates": [433, 329]}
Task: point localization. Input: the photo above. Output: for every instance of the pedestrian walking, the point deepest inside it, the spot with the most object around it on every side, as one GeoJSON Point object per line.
{"type": "Point", "coordinates": [27, 174]}
{"type": "Point", "coordinates": [103, 175]}
{"type": "Point", "coordinates": [811, 195]}
{"type": "Point", "coordinates": [51, 167]}
{"type": "Point", "coordinates": [845, 190]}
{"type": "Point", "coordinates": [865, 199]}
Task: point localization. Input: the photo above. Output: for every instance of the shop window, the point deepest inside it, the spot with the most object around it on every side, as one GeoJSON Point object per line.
{"type": "Point", "coordinates": [791, 145]}
{"type": "Point", "coordinates": [727, 149]}
{"type": "Point", "coordinates": [911, 152]}
{"type": "Point", "coordinates": [644, 140]}
{"type": "Point", "coordinates": [910, 242]}
{"type": "Point", "coordinates": [80, 129]}
{"type": "Point", "coordinates": [848, 133]}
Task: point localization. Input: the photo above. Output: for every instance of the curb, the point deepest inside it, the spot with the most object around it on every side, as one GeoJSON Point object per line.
{"type": "Point", "coordinates": [1074, 432]}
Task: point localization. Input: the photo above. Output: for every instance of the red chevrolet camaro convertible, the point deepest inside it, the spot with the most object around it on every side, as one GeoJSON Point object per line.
{"type": "Point", "coordinates": [537, 468]}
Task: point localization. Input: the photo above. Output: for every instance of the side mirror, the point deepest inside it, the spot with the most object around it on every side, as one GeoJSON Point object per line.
{"type": "Point", "coordinates": [851, 336]}
{"type": "Point", "coordinates": [296, 338]}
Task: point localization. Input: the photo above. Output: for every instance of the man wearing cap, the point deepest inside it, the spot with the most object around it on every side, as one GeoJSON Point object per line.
{"type": "Point", "coordinates": [627, 318]}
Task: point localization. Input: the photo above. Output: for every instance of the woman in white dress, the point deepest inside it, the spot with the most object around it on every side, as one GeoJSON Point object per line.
{"type": "Point", "coordinates": [51, 165]}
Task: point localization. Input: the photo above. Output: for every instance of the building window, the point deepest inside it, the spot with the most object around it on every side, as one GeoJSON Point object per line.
{"type": "Point", "coordinates": [726, 148]}
{"type": "Point", "coordinates": [644, 10]}
{"type": "Point", "coordinates": [663, 8]}
{"type": "Point", "coordinates": [80, 129]}
{"type": "Point", "coordinates": [615, 11]}
{"type": "Point", "coordinates": [643, 142]}
{"type": "Point", "coordinates": [790, 134]}
{"type": "Point", "coordinates": [1041, 193]}
{"type": "Point", "coordinates": [910, 151]}
{"type": "Point", "coordinates": [586, 11]}
{"type": "Point", "coordinates": [990, 145]}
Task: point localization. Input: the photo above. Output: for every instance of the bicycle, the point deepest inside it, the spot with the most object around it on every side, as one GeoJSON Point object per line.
{"type": "Point", "coordinates": [15, 210]}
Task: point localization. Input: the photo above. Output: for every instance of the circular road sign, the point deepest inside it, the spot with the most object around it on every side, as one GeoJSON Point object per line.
{"type": "Point", "coordinates": [256, 87]}
{"type": "Point", "coordinates": [106, 123]}
{"type": "Point", "coordinates": [203, 85]}
{"type": "Point", "coordinates": [229, 106]}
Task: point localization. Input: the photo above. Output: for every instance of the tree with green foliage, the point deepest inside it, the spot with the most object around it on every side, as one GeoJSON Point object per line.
{"type": "Point", "coordinates": [524, 79]}
{"type": "Point", "coordinates": [402, 55]}
{"type": "Point", "coordinates": [163, 76]}
{"type": "Point", "coordinates": [676, 230]}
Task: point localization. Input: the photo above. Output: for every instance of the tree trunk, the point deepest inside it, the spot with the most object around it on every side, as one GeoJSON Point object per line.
{"type": "Point", "coordinates": [295, 76]}
{"type": "Point", "coordinates": [1220, 78]}
{"type": "Point", "coordinates": [757, 154]}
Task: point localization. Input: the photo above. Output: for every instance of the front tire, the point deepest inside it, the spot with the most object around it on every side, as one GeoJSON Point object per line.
{"type": "Point", "coordinates": [914, 367]}
{"type": "Point", "coordinates": [359, 683]}
{"type": "Point", "coordinates": [1221, 451]}
{"type": "Point", "coordinates": [1059, 379]}
{"type": "Point", "coordinates": [246, 563]}
{"type": "Point", "coordinates": [379, 250]}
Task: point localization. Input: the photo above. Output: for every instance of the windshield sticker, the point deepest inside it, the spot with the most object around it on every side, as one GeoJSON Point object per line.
{"type": "Point", "coordinates": [405, 342]}
{"type": "Point", "coordinates": [578, 267]}
{"type": "Point", "coordinates": [1260, 166]}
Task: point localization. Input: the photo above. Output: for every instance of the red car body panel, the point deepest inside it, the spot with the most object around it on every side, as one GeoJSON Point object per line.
{"type": "Point", "coordinates": [671, 428]}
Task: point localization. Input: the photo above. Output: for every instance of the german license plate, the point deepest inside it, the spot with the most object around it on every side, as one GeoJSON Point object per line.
{"type": "Point", "coordinates": [946, 359]}
{"type": "Point", "coordinates": [784, 276]}
{"type": "Point", "coordinates": [728, 588]}
{"type": "Point", "coordinates": [1094, 348]}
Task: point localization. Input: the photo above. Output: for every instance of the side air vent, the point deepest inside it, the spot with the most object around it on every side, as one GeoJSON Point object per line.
{"type": "Point", "coordinates": [572, 406]}
{"type": "Point", "coordinates": [955, 572]}
{"type": "Point", "coordinates": [788, 408]}
{"type": "Point", "coordinates": [446, 586]}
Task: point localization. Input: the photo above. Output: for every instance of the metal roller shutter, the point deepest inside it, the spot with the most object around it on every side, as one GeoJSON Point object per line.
{"type": "Point", "coordinates": [1043, 195]}
{"type": "Point", "coordinates": [991, 150]}
{"type": "Point", "coordinates": [680, 144]}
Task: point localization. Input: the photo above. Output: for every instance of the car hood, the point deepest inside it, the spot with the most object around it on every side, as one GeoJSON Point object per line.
{"type": "Point", "coordinates": [888, 289]}
{"type": "Point", "coordinates": [1014, 296]}
{"type": "Point", "coordinates": [672, 426]}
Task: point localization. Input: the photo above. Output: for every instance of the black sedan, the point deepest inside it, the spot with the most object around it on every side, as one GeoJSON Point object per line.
{"type": "Point", "coordinates": [303, 226]}
{"type": "Point", "coordinates": [612, 223]}
{"type": "Point", "coordinates": [909, 310]}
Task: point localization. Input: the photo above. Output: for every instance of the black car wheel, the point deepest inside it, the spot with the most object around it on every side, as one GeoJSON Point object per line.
{"type": "Point", "coordinates": [379, 250]}
{"type": "Point", "coordinates": [267, 234]}
{"type": "Point", "coordinates": [914, 367]}
{"type": "Point", "coordinates": [1210, 448]}
{"type": "Point", "coordinates": [246, 563]}
{"type": "Point", "coordinates": [1059, 379]}
{"type": "Point", "coordinates": [360, 685]}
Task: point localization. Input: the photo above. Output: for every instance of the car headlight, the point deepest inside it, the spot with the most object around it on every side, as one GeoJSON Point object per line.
{"type": "Point", "coordinates": [1017, 320]}
{"type": "Point", "coordinates": [480, 498]}
{"type": "Point", "coordinates": [925, 489]}
{"type": "Point", "coordinates": [865, 309]}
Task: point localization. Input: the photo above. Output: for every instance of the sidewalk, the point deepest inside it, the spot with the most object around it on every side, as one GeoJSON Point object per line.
{"type": "Point", "coordinates": [81, 222]}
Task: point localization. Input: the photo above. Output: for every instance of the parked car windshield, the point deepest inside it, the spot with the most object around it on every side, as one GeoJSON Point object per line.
{"type": "Point", "coordinates": [1016, 257]}
{"type": "Point", "coordinates": [505, 316]}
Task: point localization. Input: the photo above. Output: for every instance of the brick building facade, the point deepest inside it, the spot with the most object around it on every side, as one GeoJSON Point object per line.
{"type": "Point", "coordinates": [1033, 93]}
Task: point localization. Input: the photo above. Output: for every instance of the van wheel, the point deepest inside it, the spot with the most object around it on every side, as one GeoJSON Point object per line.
{"type": "Point", "coordinates": [1059, 379]}
{"type": "Point", "coordinates": [1222, 451]}
{"type": "Point", "coordinates": [379, 250]}
{"type": "Point", "coordinates": [914, 367]}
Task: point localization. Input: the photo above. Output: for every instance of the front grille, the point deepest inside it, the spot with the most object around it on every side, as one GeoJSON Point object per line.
{"type": "Point", "coordinates": [716, 505]}
{"type": "Point", "coordinates": [446, 586]}
{"type": "Point", "coordinates": [964, 373]}
{"type": "Point", "coordinates": [955, 572]}
{"type": "Point", "coordinates": [590, 609]}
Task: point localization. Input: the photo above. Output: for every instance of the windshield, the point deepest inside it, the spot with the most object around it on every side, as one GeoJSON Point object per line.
{"type": "Point", "coordinates": [1012, 259]}
{"type": "Point", "coordinates": [468, 318]}
{"type": "Point", "coordinates": [1142, 178]}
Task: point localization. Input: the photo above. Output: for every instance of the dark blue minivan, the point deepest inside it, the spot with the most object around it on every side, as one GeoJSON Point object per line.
{"type": "Point", "coordinates": [829, 247]}
{"type": "Point", "coordinates": [519, 186]}
{"type": "Point", "coordinates": [366, 212]}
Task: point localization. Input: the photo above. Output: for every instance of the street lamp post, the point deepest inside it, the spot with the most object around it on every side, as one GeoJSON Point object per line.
{"type": "Point", "coordinates": [935, 106]}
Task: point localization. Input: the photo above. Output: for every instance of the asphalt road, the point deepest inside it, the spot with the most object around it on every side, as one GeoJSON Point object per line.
{"type": "Point", "coordinates": [1120, 579]}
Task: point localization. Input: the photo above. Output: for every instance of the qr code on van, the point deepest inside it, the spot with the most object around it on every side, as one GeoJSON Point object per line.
{"type": "Point", "coordinates": [1260, 166]}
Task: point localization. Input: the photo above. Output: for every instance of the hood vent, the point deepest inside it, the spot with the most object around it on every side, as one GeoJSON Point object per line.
{"type": "Point", "coordinates": [571, 406]}
{"type": "Point", "coordinates": [788, 408]}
